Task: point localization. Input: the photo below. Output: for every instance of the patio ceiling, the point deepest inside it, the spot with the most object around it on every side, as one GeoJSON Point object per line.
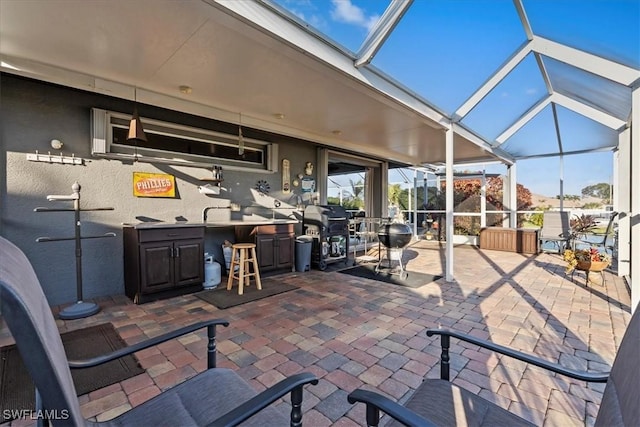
{"type": "Point", "coordinates": [258, 60]}
{"type": "Point", "coordinates": [233, 66]}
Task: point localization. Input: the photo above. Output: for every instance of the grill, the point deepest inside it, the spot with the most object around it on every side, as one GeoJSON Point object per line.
{"type": "Point", "coordinates": [395, 237]}
{"type": "Point", "coordinates": [329, 227]}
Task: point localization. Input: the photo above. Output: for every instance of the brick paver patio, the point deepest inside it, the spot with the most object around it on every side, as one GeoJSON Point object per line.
{"type": "Point", "coordinates": [353, 332]}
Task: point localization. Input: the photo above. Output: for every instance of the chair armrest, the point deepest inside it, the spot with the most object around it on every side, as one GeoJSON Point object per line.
{"type": "Point", "coordinates": [107, 357]}
{"type": "Point", "coordinates": [292, 384]}
{"type": "Point", "coordinates": [376, 402]}
{"type": "Point", "coordinates": [600, 377]}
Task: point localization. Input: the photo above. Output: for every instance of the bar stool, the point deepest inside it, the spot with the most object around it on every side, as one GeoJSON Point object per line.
{"type": "Point", "coordinates": [242, 256]}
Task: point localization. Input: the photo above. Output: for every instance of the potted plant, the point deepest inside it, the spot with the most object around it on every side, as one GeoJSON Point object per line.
{"type": "Point", "coordinates": [586, 260]}
{"type": "Point", "coordinates": [581, 225]}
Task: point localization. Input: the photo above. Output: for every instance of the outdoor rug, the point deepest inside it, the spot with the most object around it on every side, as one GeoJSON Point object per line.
{"type": "Point", "coordinates": [413, 279]}
{"type": "Point", "coordinates": [17, 389]}
{"type": "Point", "coordinates": [222, 298]}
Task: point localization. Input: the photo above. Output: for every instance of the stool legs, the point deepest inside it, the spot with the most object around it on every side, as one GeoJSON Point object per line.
{"type": "Point", "coordinates": [243, 260]}
{"type": "Point", "coordinates": [232, 268]}
{"type": "Point", "coordinates": [255, 268]}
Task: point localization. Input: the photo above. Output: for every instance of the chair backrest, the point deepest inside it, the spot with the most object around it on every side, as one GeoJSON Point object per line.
{"type": "Point", "coordinates": [28, 316]}
{"type": "Point", "coordinates": [608, 233]}
{"type": "Point", "coordinates": [620, 405]}
{"type": "Point", "coordinates": [555, 225]}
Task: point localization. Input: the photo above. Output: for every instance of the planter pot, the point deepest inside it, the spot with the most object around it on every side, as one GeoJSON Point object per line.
{"type": "Point", "coordinates": [592, 265]}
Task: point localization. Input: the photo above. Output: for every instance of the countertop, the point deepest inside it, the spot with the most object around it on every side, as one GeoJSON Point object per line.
{"type": "Point", "coordinates": [210, 224]}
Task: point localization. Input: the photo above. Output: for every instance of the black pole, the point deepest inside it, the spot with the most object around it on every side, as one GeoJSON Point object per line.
{"type": "Point", "coordinates": [76, 205]}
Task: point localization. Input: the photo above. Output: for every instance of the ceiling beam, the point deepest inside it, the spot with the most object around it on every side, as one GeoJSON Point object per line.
{"type": "Point", "coordinates": [381, 31]}
{"type": "Point", "coordinates": [589, 112]}
{"type": "Point", "coordinates": [522, 120]}
{"type": "Point", "coordinates": [472, 137]}
{"type": "Point", "coordinates": [586, 61]}
{"type": "Point", "coordinates": [524, 20]}
{"type": "Point", "coordinates": [557, 128]}
{"type": "Point", "coordinates": [492, 82]}
{"type": "Point", "coordinates": [568, 153]}
{"type": "Point", "coordinates": [544, 72]}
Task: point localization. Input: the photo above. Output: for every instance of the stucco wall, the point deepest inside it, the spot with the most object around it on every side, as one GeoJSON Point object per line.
{"type": "Point", "coordinates": [34, 113]}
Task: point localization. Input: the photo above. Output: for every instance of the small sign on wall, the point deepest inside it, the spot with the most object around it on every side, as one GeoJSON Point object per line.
{"type": "Point", "coordinates": [153, 185]}
{"type": "Point", "coordinates": [308, 185]}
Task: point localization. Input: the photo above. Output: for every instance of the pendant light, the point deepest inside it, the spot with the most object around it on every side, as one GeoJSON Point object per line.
{"type": "Point", "coordinates": [240, 138]}
{"type": "Point", "coordinates": [136, 132]}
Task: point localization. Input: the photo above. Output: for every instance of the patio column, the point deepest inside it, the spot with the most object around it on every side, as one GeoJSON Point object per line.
{"type": "Point", "coordinates": [415, 203]}
{"type": "Point", "coordinates": [384, 188]}
{"type": "Point", "coordinates": [322, 174]}
{"type": "Point", "coordinates": [510, 197]}
{"type": "Point", "coordinates": [634, 178]}
{"type": "Point", "coordinates": [561, 174]}
{"type": "Point", "coordinates": [483, 199]}
{"type": "Point", "coordinates": [449, 205]}
{"type": "Point", "coordinates": [622, 200]}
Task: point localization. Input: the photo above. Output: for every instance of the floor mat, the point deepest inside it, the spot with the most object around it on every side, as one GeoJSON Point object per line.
{"type": "Point", "coordinates": [17, 389]}
{"type": "Point", "coordinates": [222, 298]}
{"type": "Point", "coordinates": [413, 279]}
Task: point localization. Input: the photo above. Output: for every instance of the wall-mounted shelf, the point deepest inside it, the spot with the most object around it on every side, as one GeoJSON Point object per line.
{"type": "Point", "coordinates": [212, 180]}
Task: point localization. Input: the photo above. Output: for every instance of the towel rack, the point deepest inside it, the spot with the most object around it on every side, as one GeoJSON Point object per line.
{"type": "Point", "coordinates": [80, 309]}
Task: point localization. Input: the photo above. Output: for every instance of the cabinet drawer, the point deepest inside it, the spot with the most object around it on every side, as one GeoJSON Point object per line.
{"type": "Point", "coordinates": [160, 234]}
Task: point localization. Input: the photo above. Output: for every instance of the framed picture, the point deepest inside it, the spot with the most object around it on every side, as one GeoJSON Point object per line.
{"type": "Point", "coordinates": [154, 185]}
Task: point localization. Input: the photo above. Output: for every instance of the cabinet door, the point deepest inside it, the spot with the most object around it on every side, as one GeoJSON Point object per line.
{"type": "Point", "coordinates": [265, 251]}
{"type": "Point", "coordinates": [189, 262]}
{"type": "Point", "coordinates": [156, 266]}
{"type": "Point", "coordinates": [284, 252]}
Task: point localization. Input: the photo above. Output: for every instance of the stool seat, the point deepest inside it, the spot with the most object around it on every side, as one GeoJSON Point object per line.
{"type": "Point", "coordinates": [243, 257]}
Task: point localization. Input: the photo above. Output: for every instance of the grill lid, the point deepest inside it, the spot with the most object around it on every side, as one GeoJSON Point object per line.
{"type": "Point", "coordinates": [395, 235]}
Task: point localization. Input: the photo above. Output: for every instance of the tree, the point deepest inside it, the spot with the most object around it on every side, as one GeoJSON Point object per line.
{"type": "Point", "coordinates": [349, 204]}
{"type": "Point", "coordinates": [601, 191]}
{"type": "Point", "coordinates": [467, 199]}
{"type": "Point", "coordinates": [572, 197]}
{"type": "Point", "coordinates": [593, 205]}
{"type": "Point", "coordinates": [395, 194]}
{"type": "Point", "coordinates": [357, 188]}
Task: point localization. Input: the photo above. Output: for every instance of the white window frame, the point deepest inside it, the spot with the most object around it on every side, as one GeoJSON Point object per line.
{"type": "Point", "coordinates": [102, 145]}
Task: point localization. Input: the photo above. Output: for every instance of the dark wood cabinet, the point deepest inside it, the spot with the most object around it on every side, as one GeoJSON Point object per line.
{"type": "Point", "coordinates": [162, 262]}
{"type": "Point", "coordinates": [274, 244]}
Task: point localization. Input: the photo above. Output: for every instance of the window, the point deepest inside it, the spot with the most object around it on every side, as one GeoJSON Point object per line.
{"type": "Point", "coordinates": [177, 144]}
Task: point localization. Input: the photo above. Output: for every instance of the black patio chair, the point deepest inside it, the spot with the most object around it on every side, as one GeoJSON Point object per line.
{"type": "Point", "coordinates": [605, 242]}
{"type": "Point", "coordinates": [215, 397]}
{"type": "Point", "coordinates": [439, 402]}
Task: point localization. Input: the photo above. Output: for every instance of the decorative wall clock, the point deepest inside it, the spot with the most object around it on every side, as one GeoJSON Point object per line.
{"type": "Point", "coordinates": [263, 186]}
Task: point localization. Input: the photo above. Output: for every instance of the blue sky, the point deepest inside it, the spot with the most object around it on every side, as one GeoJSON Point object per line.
{"type": "Point", "coordinates": [443, 50]}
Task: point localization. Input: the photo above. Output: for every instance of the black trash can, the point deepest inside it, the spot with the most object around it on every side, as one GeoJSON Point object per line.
{"type": "Point", "coordinates": [303, 253]}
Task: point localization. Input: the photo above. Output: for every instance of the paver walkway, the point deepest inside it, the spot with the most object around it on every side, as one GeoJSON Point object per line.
{"type": "Point", "coordinates": [352, 332]}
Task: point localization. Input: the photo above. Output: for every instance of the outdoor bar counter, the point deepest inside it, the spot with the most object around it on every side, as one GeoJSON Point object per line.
{"type": "Point", "coordinates": [164, 259]}
{"type": "Point", "coordinates": [210, 224]}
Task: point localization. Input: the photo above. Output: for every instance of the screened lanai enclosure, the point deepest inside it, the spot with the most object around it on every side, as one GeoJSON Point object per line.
{"type": "Point", "coordinates": [551, 93]}
{"type": "Point", "coordinates": [524, 89]}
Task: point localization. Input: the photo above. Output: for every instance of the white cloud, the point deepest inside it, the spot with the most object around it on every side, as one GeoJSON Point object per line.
{"type": "Point", "coordinates": [531, 91]}
{"type": "Point", "coordinates": [345, 11]}
{"type": "Point", "coordinates": [314, 20]}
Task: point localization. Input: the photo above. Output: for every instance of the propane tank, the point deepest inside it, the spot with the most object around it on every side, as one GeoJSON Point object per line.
{"type": "Point", "coordinates": [212, 272]}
